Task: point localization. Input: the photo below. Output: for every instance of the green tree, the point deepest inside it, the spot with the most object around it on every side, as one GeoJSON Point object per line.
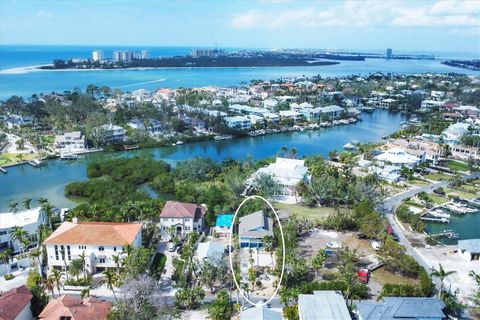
{"type": "Point", "coordinates": [5, 256]}
{"type": "Point", "coordinates": [20, 235]}
{"type": "Point", "coordinates": [220, 308]}
{"type": "Point", "coordinates": [75, 268]}
{"type": "Point", "coordinates": [13, 206]}
{"type": "Point", "coordinates": [110, 279]}
{"type": "Point", "coordinates": [26, 203]}
{"type": "Point", "coordinates": [318, 261]}
{"type": "Point", "coordinates": [56, 277]}
{"type": "Point", "coordinates": [441, 274]}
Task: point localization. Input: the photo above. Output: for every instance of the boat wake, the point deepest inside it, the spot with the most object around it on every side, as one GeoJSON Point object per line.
{"type": "Point", "coordinates": [140, 83]}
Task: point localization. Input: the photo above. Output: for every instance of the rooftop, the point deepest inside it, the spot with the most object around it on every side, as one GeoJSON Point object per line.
{"type": "Point", "coordinates": [95, 233]}
{"type": "Point", "coordinates": [325, 305]}
{"type": "Point", "coordinates": [256, 225]}
{"type": "Point", "coordinates": [74, 308]}
{"type": "Point", "coordinates": [175, 209]}
{"type": "Point", "coordinates": [469, 245]}
{"type": "Point", "coordinates": [21, 218]}
{"type": "Point", "coordinates": [399, 308]}
{"type": "Point", "coordinates": [13, 301]}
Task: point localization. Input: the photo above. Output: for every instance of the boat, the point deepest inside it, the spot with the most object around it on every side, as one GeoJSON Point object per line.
{"type": "Point", "coordinates": [349, 147]}
{"type": "Point", "coordinates": [224, 137]}
{"type": "Point", "coordinates": [439, 214]}
{"type": "Point", "coordinates": [179, 142]}
{"type": "Point", "coordinates": [68, 156]}
{"type": "Point", "coordinates": [3, 170]}
{"type": "Point", "coordinates": [459, 208]}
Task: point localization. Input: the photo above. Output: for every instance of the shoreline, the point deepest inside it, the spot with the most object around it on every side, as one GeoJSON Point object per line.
{"type": "Point", "coordinates": [36, 68]}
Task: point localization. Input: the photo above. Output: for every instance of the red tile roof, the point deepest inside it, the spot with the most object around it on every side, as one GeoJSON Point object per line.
{"type": "Point", "coordinates": [13, 301]}
{"type": "Point", "coordinates": [95, 233]}
{"type": "Point", "coordinates": [175, 209]}
{"type": "Point", "coordinates": [70, 306]}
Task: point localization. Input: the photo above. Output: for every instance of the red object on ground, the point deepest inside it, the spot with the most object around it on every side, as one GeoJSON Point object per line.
{"type": "Point", "coordinates": [363, 275]}
{"type": "Point", "coordinates": [389, 230]}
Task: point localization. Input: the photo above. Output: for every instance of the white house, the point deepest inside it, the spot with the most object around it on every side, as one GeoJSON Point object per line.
{"type": "Point", "coordinates": [152, 126]}
{"type": "Point", "coordinates": [292, 115]}
{"type": "Point", "coordinates": [71, 142]}
{"type": "Point", "coordinates": [183, 217]}
{"type": "Point", "coordinates": [112, 133]}
{"type": "Point", "coordinates": [98, 241]}
{"type": "Point", "coordinates": [271, 117]}
{"type": "Point", "coordinates": [398, 157]}
{"type": "Point", "coordinates": [454, 132]}
{"type": "Point", "coordinates": [332, 111]}
{"type": "Point", "coordinates": [287, 173]}
{"type": "Point", "coordinates": [429, 104]}
{"type": "Point", "coordinates": [239, 122]}
{"type": "Point", "coordinates": [29, 220]}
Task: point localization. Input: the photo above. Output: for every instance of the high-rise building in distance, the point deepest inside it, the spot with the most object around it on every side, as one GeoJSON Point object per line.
{"type": "Point", "coordinates": [388, 55]}
{"type": "Point", "coordinates": [200, 53]}
{"type": "Point", "coordinates": [97, 55]}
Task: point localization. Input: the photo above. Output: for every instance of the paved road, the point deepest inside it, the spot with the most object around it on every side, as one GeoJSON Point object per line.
{"type": "Point", "coordinates": [389, 208]}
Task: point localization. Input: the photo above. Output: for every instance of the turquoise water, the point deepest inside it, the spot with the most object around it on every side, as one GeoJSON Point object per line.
{"type": "Point", "coordinates": [49, 181]}
{"type": "Point", "coordinates": [128, 80]}
{"type": "Point", "coordinates": [468, 227]}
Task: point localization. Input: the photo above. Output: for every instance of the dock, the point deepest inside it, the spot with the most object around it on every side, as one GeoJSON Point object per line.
{"type": "Point", "coordinates": [434, 219]}
{"type": "Point", "coordinates": [445, 233]}
{"type": "Point", "coordinates": [3, 170]}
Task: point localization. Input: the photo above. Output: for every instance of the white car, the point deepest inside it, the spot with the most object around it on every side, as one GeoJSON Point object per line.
{"type": "Point", "coordinates": [334, 245]}
{"type": "Point", "coordinates": [376, 245]}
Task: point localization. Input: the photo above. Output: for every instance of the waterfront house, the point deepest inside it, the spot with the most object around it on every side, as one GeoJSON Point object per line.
{"type": "Point", "coordinates": [223, 224]}
{"type": "Point", "coordinates": [253, 228]}
{"type": "Point", "coordinates": [15, 304]}
{"type": "Point", "coordinates": [69, 307]}
{"type": "Point", "coordinates": [256, 120]}
{"type": "Point", "coordinates": [98, 241]}
{"type": "Point", "coordinates": [271, 117]}
{"type": "Point", "coordinates": [325, 305]}
{"type": "Point", "coordinates": [311, 114]}
{"type": "Point", "coordinates": [112, 133]}
{"type": "Point", "coordinates": [29, 220]}
{"type": "Point", "coordinates": [290, 115]}
{"type": "Point", "coordinates": [426, 151]}
{"type": "Point", "coordinates": [469, 249]}
{"type": "Point", "coordinates": [151, 126]}
{"type": "Point", "coordinates": [429, 104]}
{"type": "Point", "coordinates": [182, 217]}
{"type": "Point", "coordinates": [398, 157]}
{"type": "Point", "coordinates": [332, 112]}
{"type": "Point", "coordinates": [238, 122]}
{"type": "Point", "coordinates": [70, 142]}
{"type": "Point", "coordinates": [394, 308]}
{"type": "Point", "coordinates": [299, 107]}
{"type": "Point", "coordinates": [287, 173]}
{"type": "Point", "coordinates": [454, 132]}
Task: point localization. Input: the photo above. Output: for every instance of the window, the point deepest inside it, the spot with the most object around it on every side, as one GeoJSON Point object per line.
{"type": "Point", "coordinates": [56, 252]}
{"type": "Point", "coordinates": [3, 233]}
{"type": "Point", "coordinates": [102, 260]}
{"type": "Point", "coordinates": [101, 248]}
{"type": "Point", "coordinates": [115, 249]}
{"type": "Point", "coordinates": [62, 251]}
{"type": "Point", "coordinates": [68, 253]}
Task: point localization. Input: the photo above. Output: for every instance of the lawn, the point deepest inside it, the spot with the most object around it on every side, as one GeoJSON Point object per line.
{"type": "Point", "coordinates": [437, 199]}
{"type": "Point", "coordinates": [460, 193]}
{"type": "Point", "coordinates": [437, 176]}
{"type": "Point", "coordinates": [382, 276]}
{"type": "Point", "coordinates": [457, 165]}
{"type": "Point", "coordinates": [417, 182]}
{"type": "Point", "coordinates": [11, 158]}
{"type": "Point", "coordinates": [311, 213]}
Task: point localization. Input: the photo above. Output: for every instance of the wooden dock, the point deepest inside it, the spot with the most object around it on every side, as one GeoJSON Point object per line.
{"type": "Point", "coordinates": [445, 233]}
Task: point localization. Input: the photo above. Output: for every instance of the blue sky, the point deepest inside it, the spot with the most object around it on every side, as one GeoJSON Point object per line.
{"type": "Point", "coordinates": [402, 25]}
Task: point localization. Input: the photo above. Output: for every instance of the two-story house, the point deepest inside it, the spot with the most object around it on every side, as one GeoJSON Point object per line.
{"type": "Point", "coordinates": [73, 142]}
{"type": "Point", "coordinates": [182, 217]}
{"type": "Point", "coordinates": [253, 228]}
{"type": "Point", "coordinates": [98, 242]}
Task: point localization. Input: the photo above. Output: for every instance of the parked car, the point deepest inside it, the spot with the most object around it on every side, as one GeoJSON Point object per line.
{"type": "Point", "coordinates": [363, 275]}
{"type": "Point", "coordinates": [376, 245]}
{"type": "Point", "coordinates": [334, 245]}
{"type": "Point", "coordinates": [171, 247]}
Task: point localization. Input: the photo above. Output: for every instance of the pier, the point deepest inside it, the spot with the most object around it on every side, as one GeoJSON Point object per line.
{"type": "Point", "coordinates": [445, 233]}
{"type": "Point", "coordinates": [434, 219]}
{"type": "Point", "coordinates": [128, 148]}
{"type": "Point", "coordinates": [3, 170]}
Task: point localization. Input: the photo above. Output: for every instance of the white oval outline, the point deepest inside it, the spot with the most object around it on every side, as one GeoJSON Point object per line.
{"type": "Point", "coordinates": [230, 252]}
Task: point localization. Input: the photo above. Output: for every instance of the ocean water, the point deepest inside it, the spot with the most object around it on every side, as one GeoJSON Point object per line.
{"type": "Point", "coordinates": [26, 84]}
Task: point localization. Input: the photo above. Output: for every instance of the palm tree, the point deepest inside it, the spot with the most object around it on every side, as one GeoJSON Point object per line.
{"type": "Point", "coordinates": [441, 274]}
{"type": "Point", "coordinates": [82, 256]}
{"type": "Point", "coordinates": [47, 209]}
{"type": "Point", "coordinates": [56, 277]}
{"type": "Point", "coordinates": [62, 252]}
{"type": "Point", "coordinates": [26, 202]}
{"type": "Point", "coordinates": [5, 257]}
{"type": "Point", "coordinates": [13, 206]}
{"type": "Point", "coordinates": [117, 259]}
{"type": "Point", "coordinates": [35, 254]}
{"type": "Point", "coordinates": [85, 293]}
{"type": "Point", "coordinates": [268, 245]}
{"type": "Point", "coordinates": [42, 200]}
{"type": "Point", "coordinates": [75, 268]}
{"type": "Point", "coordinates": [19, 234]}
{"type": "Point", "coordinates": [127, 249]}
{"type": "Point", "coordinates": [318, 260]}
{"type": "Point", "coordinates": [49, 284]}
{"type": "Point", "coordinates": [110, 280]}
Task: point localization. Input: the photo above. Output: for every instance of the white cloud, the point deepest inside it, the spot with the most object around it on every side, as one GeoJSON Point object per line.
{"type": "Point", "coordinates": [366, 13]}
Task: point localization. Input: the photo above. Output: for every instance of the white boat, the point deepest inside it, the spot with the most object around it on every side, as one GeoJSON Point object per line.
{"type": "Point", "coordinates": [454, 207]}
{"type": "Point", "coordinates": [37, 162]}
{"type": "Point", "coordinates": [68, 156]}
{"type": "Point", "coordinates": [439, 214]}
{"type": "Point", "coordinates": [349, 147]}
{"type": "Point", "coordinates": [179, 142]}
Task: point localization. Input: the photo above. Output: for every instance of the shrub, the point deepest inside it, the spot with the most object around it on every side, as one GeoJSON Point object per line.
{"type": "Point", "coordinates": [8, 276]}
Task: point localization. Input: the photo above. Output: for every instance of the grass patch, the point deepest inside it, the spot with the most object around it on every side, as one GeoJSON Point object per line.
{"type": "Point", "coordinates": [11, 158]}
{"type": "Point", "coordinates": [438, 176]}
{"type": "Point", "coordinates": [382, 276]}
{"type": "Point", "coordinates": [437, 199]}
{"type": "Point", "coordinates": [460, 193]}
{"type": "Point", "coordinates": [418, 182]}
{"type": "Point", "coordinates": [311, 213]}
{"type": "Point", "coordinates": [457, 165]}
